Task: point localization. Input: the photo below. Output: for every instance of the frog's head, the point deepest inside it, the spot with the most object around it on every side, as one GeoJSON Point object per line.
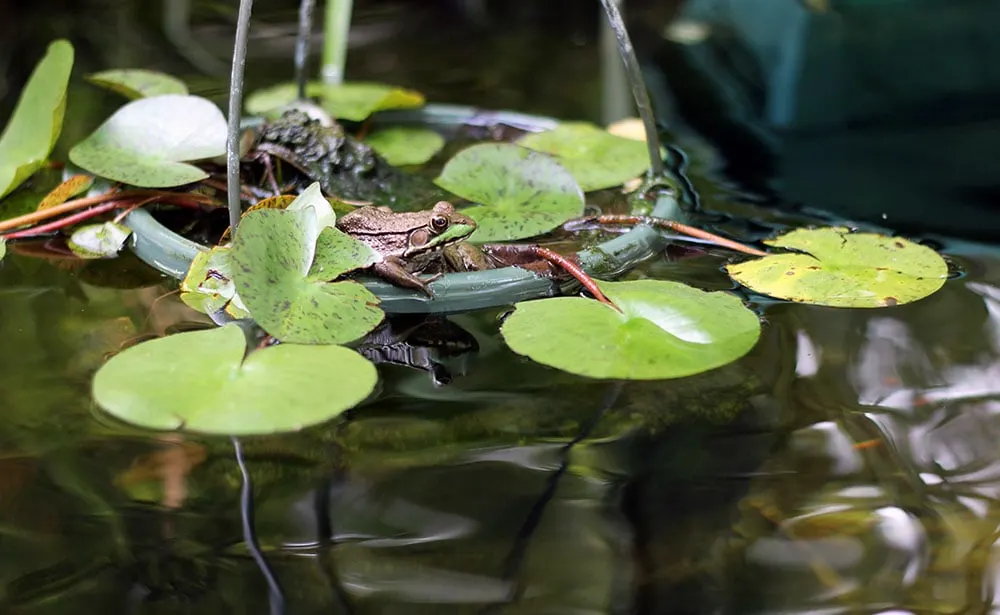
{"type": "Point", "coordinates": [444, 226]}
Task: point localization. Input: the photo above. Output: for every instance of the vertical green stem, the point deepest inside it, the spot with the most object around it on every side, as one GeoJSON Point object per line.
{"type": "Point", "coordinates": [642, 103]}
{"type": "Point", "coordinates": [302, 44]}
{"type": "Point", "coordinates": [235, 106]}
{"type": "Point", "coordinates": [336, 29]}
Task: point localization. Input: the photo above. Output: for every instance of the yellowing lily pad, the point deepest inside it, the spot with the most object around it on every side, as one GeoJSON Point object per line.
{"type": "Point", "coordinates": [349, 101]}
{"type": "Point", "coordinates": [200, 381]}
{"type": "Point", "coordinates": [3, 248]}
{"type": "Point", "coordinates": [595, 157]}
{"type": "Point", "coordinates": [273, 253]}
{"type": "Point", "coordinates": [70, 188]}
{"type": "Point", "coordinates": [148, 142]}
{"type": "Point", "coordinates": [844, 269]}
{"type": "Point", "coordinates": [405, 145]}
{"type": "Point", "coordinates": [665, 330]}
{"type": "Point", "coordinates": [208, 286]}
{"type": "Point", "coordinates": [522, 193]}
{"type": "Point", "coordinates": [37, 120]}
{"type": "Point", "coordinates": [138, 83]}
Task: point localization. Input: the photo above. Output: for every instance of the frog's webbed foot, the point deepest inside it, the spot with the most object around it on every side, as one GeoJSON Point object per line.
{"type": "Point", "coordinates": [393, 270]}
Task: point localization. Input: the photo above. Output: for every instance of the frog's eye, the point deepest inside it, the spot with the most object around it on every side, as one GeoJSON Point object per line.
{"type": "Point", "coordinates": [439, 223]}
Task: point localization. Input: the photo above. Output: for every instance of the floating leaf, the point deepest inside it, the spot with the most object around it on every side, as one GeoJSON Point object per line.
{"type": "Point", "coordinates": [404, 145]}
{"type": "Point", "coordinates": [99, 240]}
{"type": "Point", "coordinates": [199, 381]}
{"type": "Point", "coordinates": [337, 253]}
{"type": "Point", "coordinates": [37, 120]}
{"type": "Point", "coordinates": [349, 101]}
{"type": "Point", "coordinates": [665, 330]}
{"type": "Point", "coordinates": [146, 142]}
{"type": "Point", "coordinates": [138, 83]}
{"type": "Point", "coordinates": [595, 157]}
{"type": "Point", "coordinates": [272, 255]}
{"type": "Point", "coordinates": [70, 188]}
{"type": "Point", "coordinates": [208, 286]}
{"type": "Point", "coordinates": [844, 269]}
{"type": "Point", "coordinates": [523, 193]}
{"type": "Point", "coordinates": [312, 198]}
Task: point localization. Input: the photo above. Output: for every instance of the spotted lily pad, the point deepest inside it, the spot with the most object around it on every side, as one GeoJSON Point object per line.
{"type": "Point", "coordinates": [138, 83]}
{"type": "Point", "coordinates": [665, 330]}
{"type": "Point", "coordinates": [148, 142]}
{"type": "Point", "coordinates": [338, 253]}
{"type": "Point", "coordinates": [522, 193]}
{"type": "Point", "coordinates": [406, 145]}
{"type": "Point", "coordinates": [349, 101]}
{"type": "Point", "coordinates": [844, 269]}
{"type": "Point", "coordinates": [200, 381]}
{"type": "Point", "coordinates": [37, 120]}
{"type": "Point", "coordinates": [99, 240]}
{"type": "Point", "coordinates": [272, 255]}
{"type": "Point", "coordinates": [208, 286]}
{"type": "Point", "coordinates": [595, 157]}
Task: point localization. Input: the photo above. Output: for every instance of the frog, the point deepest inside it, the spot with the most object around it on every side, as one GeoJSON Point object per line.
{"type": "Point", "coordinates": [343, 166]}
{"type": "Point", "coordinates": [408, 243]}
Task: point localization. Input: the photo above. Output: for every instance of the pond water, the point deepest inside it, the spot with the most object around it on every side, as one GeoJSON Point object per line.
{"type": "Point", "coordinates": [849, 464]}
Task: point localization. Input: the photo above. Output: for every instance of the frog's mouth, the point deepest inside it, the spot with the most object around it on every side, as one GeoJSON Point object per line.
{"type": "Point", "coordinates": [453, 234]}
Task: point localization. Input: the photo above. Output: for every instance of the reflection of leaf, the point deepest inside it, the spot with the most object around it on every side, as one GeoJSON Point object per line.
{"type": "Point", "coordinates": [200, 381]}
{"type": "Point", "coordinates": [37, 120]}
{"type": "Point", "coordinates": [272, 255]}
{"type": "Point", "coordinates": [68, 189]}
{"type": "Point", "coordinates": [844, 269]}
{"type": "Point", "coordinates": [138, 83]}
{"type": "Point", "coordinates": [99, 240]}
{"type": "Point", "coordinates": [595, 157]}
{"type": "Point", "coordinates": [665, 330]}
{"type": "Point", "coordinates": [146, 142]}
{"type": "Point", "coordinates": [349, 101]}
{"type": "Point", "coordinates": [523, 193]}
{"type": "Point", "coordinates": [405, 145]}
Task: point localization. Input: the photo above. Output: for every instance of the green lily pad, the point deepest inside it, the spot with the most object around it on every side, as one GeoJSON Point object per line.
{"type": "Point", "coordinates": [208, 286]}
{"type": "Point", "coordinates": [844, 269]}
{"type": "Point", "coordinates": [99, 240]}
{"type": "Point", "coordinates": [37, 120]}
{"type": "Point", "coordinates": [522, 193]}
{"type": "Point", "coordinates": [665, 330]}
{"type": "Point", "coordinates": [200, 381]}
{"type": "Point", "coordinates": [404, 145]}
{"type": "Point", "coordinates": [3, 248]}
{"type": "Point", "coordinates": [595, 157]}
{"type": "Point", "coordinates": [272, 255]}
{"type": "Point", "coordinates": [138, 83]}
{"type": "Point", "coordinates": [349, 101]}
{"type": "Point", "coordinates": [147, 142]}
{"type": "Point", "coordinates": [338, 253]}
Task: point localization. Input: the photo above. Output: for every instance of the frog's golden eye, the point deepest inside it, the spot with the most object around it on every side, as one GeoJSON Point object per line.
{"type": "Point", "coordinates": [439, 223]}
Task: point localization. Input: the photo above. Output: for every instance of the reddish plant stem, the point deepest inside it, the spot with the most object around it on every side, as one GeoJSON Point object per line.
{"type": "Point", "coordinates": [185, 200]}
{"type": "Point", "coordinates": [574, 270]}
{"type": "Point", "coordinates": [61, 223]}
{"type": "Point", "coordinates": [683, 229]}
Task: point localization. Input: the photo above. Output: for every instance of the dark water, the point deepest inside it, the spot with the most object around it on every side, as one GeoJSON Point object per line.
{"type": "Point", "coordinates": [848, 464]}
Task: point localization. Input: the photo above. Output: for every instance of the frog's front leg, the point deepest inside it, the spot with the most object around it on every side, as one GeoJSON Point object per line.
{"type": "Point", "coordinates": [394, 270]}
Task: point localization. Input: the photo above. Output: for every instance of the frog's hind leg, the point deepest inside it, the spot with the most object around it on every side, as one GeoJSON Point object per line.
{"type": "Point", "coordinates": [393, 270]}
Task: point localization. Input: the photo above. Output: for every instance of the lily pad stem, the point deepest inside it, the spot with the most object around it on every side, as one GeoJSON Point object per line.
{"type": "Point", "coordinates": [336, 30]}
{"type": "Point", "coordinates": [639, 91]}
{"type": "Point", "coordinates": [574, 270]}
{"type": "Point", "coordinates": [184, 200]}
{"type": "Point", "coordinates": [679, 228]}
{"type": "Point", "coordinates": [302, 45]}
{"type": "Point", "coordinates": [235, 106]}
{"type": "Point", "coordinates": [62, 223]}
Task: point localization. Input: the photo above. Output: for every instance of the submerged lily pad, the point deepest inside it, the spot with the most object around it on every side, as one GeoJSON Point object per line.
{"type": "Point", "coordinates": [349, 101]}
{"type": "Point", "coordinates": [70, 188]}
{"type": "Point", "coordinates": [147, 142]}
{"type": "Point", "coordinates": [595, 157]}
{"type": "Point", "coordinates": [272, 255]}
{"type": "Point", "coordinates": [665, 330]}
{"type": "Point", "coordinates": [844, 269]}
{"type": "Point", "coordinates": [522, 193]}
{"type": "Point", "coordinates": [37, 120]}
{"type": "Point", "coordinates": [208, 286]}
{"type": "Point", "coordinates": [99, 240]}
{"type": "Point", "coordinates": [138, 83]}
{"type": "Point", "coordinates": [199, 381]}
{"type": "Point", "coordinates": [406, 145]}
